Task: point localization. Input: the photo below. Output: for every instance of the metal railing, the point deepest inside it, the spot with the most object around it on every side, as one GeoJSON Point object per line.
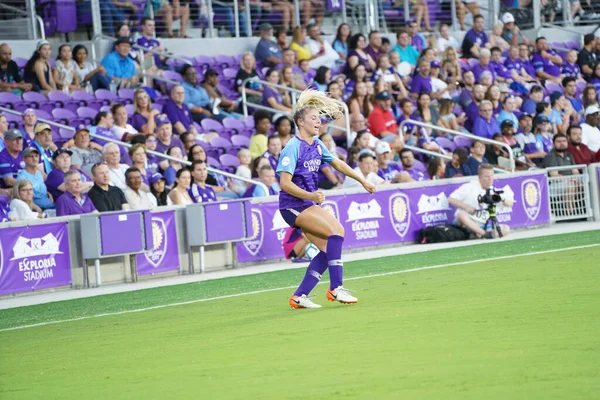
{"type": "Point", "coordinates": [569, 194]}
{"type": "Point", "coordinates": [155, 153]}
{"type": "Point", "coordinates": [511, 156]}
{"type": "Point", "coordinates": [293, 95]}
{"type": "Point", "coordinates": [12, 27]}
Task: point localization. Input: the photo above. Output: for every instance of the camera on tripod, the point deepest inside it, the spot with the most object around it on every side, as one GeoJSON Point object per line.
{"type": "Point", "coordinates": [491, 197]}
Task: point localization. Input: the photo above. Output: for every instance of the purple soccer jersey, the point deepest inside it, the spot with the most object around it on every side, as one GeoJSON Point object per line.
{"type": "Point", "coordinates": [10, 166]}
{"type": "Point", "coordinates": [150, 43]}
{"type": "Point", "coordinates": [202, 195]}
{"type": "Point", "coordinates": [390, 172]}
{"type": "Point", "coordinates": [302, 161]}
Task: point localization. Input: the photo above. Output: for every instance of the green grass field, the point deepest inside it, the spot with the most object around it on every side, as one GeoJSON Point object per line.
{"type": "Point", "coordinates": [524, 327]}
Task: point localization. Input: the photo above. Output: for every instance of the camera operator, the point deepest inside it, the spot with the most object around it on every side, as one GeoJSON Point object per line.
{"type": "Point", "coordinates": [472, 214]}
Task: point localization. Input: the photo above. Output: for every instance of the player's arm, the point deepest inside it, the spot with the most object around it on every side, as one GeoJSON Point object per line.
{"type": "Point", "coordinates": [286, 184]}
{"type": "Point", "coordinates": [345, 169]}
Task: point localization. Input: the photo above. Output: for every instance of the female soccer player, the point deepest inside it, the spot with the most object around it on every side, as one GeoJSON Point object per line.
{"type": "Point", "coordinates": [299, 198]}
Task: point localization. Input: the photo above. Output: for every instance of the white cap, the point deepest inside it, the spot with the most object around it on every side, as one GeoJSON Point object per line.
{"type": "Point", "coordinates": [592, 110]}
{"type": "Point", "coordinates": [507, 18]}
{"type": "Point", "coordinates": [382, 147]}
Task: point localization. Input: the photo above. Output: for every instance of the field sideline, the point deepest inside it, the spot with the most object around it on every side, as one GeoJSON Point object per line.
{"type": "Point", "coordinates": [498, 324]}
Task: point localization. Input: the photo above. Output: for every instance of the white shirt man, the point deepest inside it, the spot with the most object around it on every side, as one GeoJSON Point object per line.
{"type": "Point", "coordinates": [590, 134]}
{"type": "Point", "coordinates": [366, 167]}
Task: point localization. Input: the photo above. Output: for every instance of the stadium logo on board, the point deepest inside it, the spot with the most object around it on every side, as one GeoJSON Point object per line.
{"type": "Point", "coordinates": [279, 225]}
{"type": "Point", "coordinates": [44, 246]}
{"type": "Point", "coordinates": [531, 196]}
{"type": "Point", "coordinates": [254, 244]}
{"type": "Point", "coordinates": [159, 238]}
{"type": "Point", "coordinates": [400, 213]}
{"type": "Point", "coordinates": [434, 210]}
{"type": "Point", "coordinates": [332, 208]}
{"type": "Point", "coordinates": [365, 219]}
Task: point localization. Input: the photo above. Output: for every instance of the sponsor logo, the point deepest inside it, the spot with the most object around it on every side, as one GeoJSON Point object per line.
{"type": "Point", "coordinates": [332, 208]}
{"type": "Point", "coordinates": [285, 161]}
{"type": "Point", "coordinates": [312, 165]}
{"type": "Point", "coordinates": [254, 244]}
{"type": "Point", "coordinates": [531, 196]}
{"type": "Point", "coordinates": [44, 246]}
{"type": "Point", "coordinates": [434, 210]}
{"type": "Point", "coordinates": [279, 225]}
{"type": "Point", "coordinates": [399, 209]}
{"type": "Point", "coordinates": [365, 219]}
{"type": "Point", "coordinates": [159, 237]}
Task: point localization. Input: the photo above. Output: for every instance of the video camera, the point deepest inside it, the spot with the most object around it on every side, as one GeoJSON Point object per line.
{"type": "Point", "coordinates": [491, 197]}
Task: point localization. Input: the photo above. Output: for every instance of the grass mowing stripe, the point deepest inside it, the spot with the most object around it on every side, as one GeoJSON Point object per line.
{"type": "Point", "coordinates": [292, 287]}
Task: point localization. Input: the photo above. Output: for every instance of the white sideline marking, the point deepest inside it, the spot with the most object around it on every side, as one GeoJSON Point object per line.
{"type": "Point", "coordinates": [229, 296]}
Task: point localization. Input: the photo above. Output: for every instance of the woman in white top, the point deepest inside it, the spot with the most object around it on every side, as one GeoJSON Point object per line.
{"type": "Point", "coordinates": [89, 71]}
{"type": "Point", "coordinates": [121, 129]}
{"type": "Point", "coordinates": [22, 204]}
{"type": "Point", "coordinates": [116, 170]}
{"type": "Point", "coordinates": [64, 71]}
{"type": "Point", "coordinates": [179, 194]}
{"type": "Point", "coordinates": [445, 40]}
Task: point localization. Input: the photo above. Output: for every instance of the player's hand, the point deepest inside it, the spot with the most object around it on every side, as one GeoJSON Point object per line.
{"type": "Point", "coordinates": [318, 197]}
{"type": "Point", "coordinates": [369, 187]}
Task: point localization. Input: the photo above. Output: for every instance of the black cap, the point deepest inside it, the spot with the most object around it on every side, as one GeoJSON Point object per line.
{"type": "Point", "coordinates": [211, 72]}
{"type": "Point", "coordinates": [61, 151]}
{"type": "Point", "coordinates": [506, 123]}
{"type": "Point", "coordinates": [122, 40]}
{"type": "Point", "coordinates": [525, 115]}
{"type": "Point", "coordinates": [384, 95]}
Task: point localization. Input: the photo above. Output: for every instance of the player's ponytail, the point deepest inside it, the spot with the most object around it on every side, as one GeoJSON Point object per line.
{"type": "Point", "coordinates": [320, 101]}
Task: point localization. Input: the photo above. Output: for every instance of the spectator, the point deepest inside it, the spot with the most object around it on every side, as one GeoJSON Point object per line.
{"type": "Point", "coordinates": [388, 170]}
{"type": "Point", "coordinates": [495, 151]}
{"type": "Point", "coordinates": [178, 112]}
{"type": "Point", "coordinates": [28, 129]}
{"type": "Point", "coordinates": [259, 141]}
{"type": "Point", "coordinates": [137, 198]}
{"type": "Point", "coordinates": [164, 135]}
{"type": "Point", "coordinates": [248, 71]}
{"type": "Point", "coordinates": [340, 43]}
{"type": "Point", "coordinates": [152, 160]}
{"type": "Point", "coordinates": [266, 175]}
{"type": "Point", "coordinates": [322, 78]}
{"type": "Point", "coordinates": [3, 130]}
{"type": "Point", "coordinates": [475, 39]}
{"type": "Point", "coordinates": [391, 78]}
{"type": "Point", "coordinates": [525, 57]}
{"type": "Point", "coordinates": [382, 123]}
{"type": "Point", "coordinates": [417, 39]}
{"type": "Point", "coordinates": [410, 130]}
{"type": "Point", "coordinates": [273, 150]}
{"type": "Point", "coordinates": [119, 67]}
{"type": "Point", "coordinates": [366, 166]}
{"type": "Point", "coordinates": [10, 76]}
{"type": "Point", "coordinates": [374, 48]}
{"type": "Point", "coordinates": [589, 97]}
{"type": "Point", "coordinates": [485, 125]}
{"type": "Point", "coordinates": [570, 88]}
{"type": "Point", "coordinates": [143, 119]}
{"type": "Point", "coordinates": [31, 173]}
{"type": "Point", "coordinates": [300, 45]}
{"type": "Point", "coordinates": [465, 199]}
{"type": "Point", "coordinates": [587, 59]}
{"type": "Point", "coordinates": [105, 196]}
{"type": "Point", "coordinates": [56, 178]}
{"type": "Point", "coordinates": [451, 68]}
{"type": "Point", "coordinates": [243, 170]}
{"type": "Point", "coordinates": [74, 201]}
{"type": "Point", "coordinates": [116, 170]}
{"type": "Point", "coordinates": [37, 69]}
{"type": "Point", "coordinates": [484, 65]}
{"type": "Point", "coordinates": [267, 51]}
{"type": "Point", "coordinates": [188, 139]}
{"type": "Point", "coordinates": [595, 80]}
{"type": "Point", "coordinates": [359, 102]}
{"type": "Point", "coordinates": [508, 137]}
{"type": "Point", "coordinates": [103, 124]}
{"type": "Point", "coordinates": [170, 172]}
{"type": "Point", "coordinates": [421, 82]}
{"type": "Point", "coordinates": [139, 159]}
{"type": "Point", "coordinates": [6, 213]}
{"type": "Point", "coordinates": [477, 155]}
{"type": "Point", "coordinates": [516, 67]}
{"type": "Point", "coordinates": [11, 158]}
{"type": "Point", "coordinates": [322, 53]}
{"type": "Point", "coordinates": [22, 204]}
{"type": "Point", "coordinates": [580, 152]}
{"type": "Point", "coordinates": [159, 189]}
{"type": "Point", "coordinates": [405, 49]}
{"type": "Point", "coordinates": [536, 95]}
{"type": "Point", "coordinates": [313, 9]}
{"type": "Point", "coordinates": [448, 119]}
{"type": "Point", "coordinates": [543, 134]}
{"type": "Point", "coordinates": [121, 130]}
{"type": "Point", "coordinates": [458, 165]}
{"type": "Point", "coordinates": [197, 99]}
{"type": "Point", "coordinates": [563, 114]}
{"type": "Point", "coordinates": [362, 140]}
{"type": "Point", "coordinates": [436, 168]}
{"type": "Point", "coordinates": [273, 97]}
{"type": "Point", "coordinates": [546, 62]}
{"type": "Point", "coordinates": [500, 71]}
{"type": "Point", "coordinates": [510, 30]}
{"type": "Point", "coordinates": [148, 41]}
{"type": "Point", "coordinates": [64, 71]}
{"type": "Point", "coordinates": [407, 159]}
{"type": "Point", "coordinates": [508, 112]}
{"type": "Point", "coordinates": [284, 129]}
{"type": "Point", "coordinates": [89, 72]}
{"type": "Point", "coordinates": [426, 112]}
{"type": "Point", "coordinates": [589, 130]}
{"type": "Point", "coordinates": [496, 39]}
{"type": "Point", "coordinates": [527, 140]}
{"type": "Point", "coordinates": [85, 153]}
{"type": "Point", "coordinates": [461, 10]}
{"type": "Point", "coordinates": [446, 40]}
{"type": "Point", "coordinates": [558, 156]}
{"type": "Point", "coordinates": [220, 101]}
{"type": "Point", "coordinates": [43, 143]}
{"type": "Point", "coordinates": [570, 67]}
{"type": "Point", "coordinates": [179, 195]}
{"type": "Point", "coordinates": [288, 59]}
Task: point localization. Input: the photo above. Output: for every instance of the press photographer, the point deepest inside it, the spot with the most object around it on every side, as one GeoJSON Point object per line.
{"type": "Point", "coordinates": [476, 204]}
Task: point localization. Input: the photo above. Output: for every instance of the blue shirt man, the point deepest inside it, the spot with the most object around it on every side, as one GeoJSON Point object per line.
{"type": "Point", "coordinates": [195, 96]}
{"type": "Point", "coordinates": [267, 51]}
{"type": "Point", "coordinates": [31, 156]}
{"type": "Point", "coordinates": [118, 64]}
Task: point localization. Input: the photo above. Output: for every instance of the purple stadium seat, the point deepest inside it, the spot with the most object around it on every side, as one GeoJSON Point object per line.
{"type": "Point", "coordinates": [13, 120]}
{"type": "Point", "coordinates": [580, 86]}
{"type": "Point", "coordinates": [203, 62]}
{"type": "Point", "coordinates": [105, 109]}
{"type": "Point", "coordinates": [249, 121]}
{"type": "Point", "coordinates": [240, 141]}
{"type": "Point", "coordinates": [87, 113]}
{"type": "Point", "coordinates": [234, 125]}
{"type": "Point", "coordinates": [229, 73]}
{"type": "Point", "coordinates": [224, 61]}
{"type": "Point", "coordinates": [220, 142]}
{"type": "Point", "coordinates": [341, 151]}
{"type": "Point", "coordinates": [63, 100]}
{"type": "Point", "coordinates": [553, 87]}
{"type": "Point", "coordinates": [126, 95]}
{"type": "Point", "coordinates": [65, 134]}
{"type": "Point", "coordinates": [213, 162]}
{"type": "Point", "coordinates": [573, 45]}
{"type": "Point", "coordinates": [210, 125]}
{"type": "Point", "coordinates": [461, 141]}
{"type": "Point", "coordinates": [158, 107]}
{"type": "Point", "coordinates": [172, 75]}
{"type": "Point", "coordinates": [86, 99]}
{"type": "Point", "coordinates": [234, 150]}
{"type": "Point", "coordinates": [12, 101]}
{"type": "Point", "coordinates": [446, 144]}
{"type": "Point", "coordinates": [106, 96]}
{"type": "Point", "coordinates": [228, 160]}
{"type": "Point", "coordinates": [63, 115]}
{"type": "Point", "coordinates": [130, 109]}
{"type": "Point", "coordinates": [43, 115]}
{"type": "Point", "coordinates": [38, 101]}
{"type": "Point", "coordinates": [21, 62]}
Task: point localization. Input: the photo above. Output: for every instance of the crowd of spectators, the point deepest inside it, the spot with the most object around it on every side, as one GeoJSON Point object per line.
{"type": "Point", "coordinates": [503, 88]}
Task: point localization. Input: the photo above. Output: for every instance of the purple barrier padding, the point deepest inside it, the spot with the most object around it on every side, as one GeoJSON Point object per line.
{"type": "Point", "coordinates": [115, 227]}
{"type": "Point", "coordinates": [34, 258]}
{"type": "Point", "coordinates": [217, 215]}
{"type": "Point", "coordinates": [164, 256]}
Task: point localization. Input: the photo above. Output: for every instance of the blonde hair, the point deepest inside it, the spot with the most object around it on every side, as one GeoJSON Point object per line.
{"type": "Point", "coordinates": [243, 152]}
{"type": "Point", "coordinates": [137, 108]}
{"type": "Point", "coordinates": [17, 188]}
{"type": "Point", "coordinates": [320, 101]}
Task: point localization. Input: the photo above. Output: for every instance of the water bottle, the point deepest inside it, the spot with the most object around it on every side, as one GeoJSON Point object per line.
{"type": "Point", "coordinates": [113, 87]}
{"type": "Point", "coordinates": [88, 88]}
{"type": "Point", "coordinates": [65, 89]}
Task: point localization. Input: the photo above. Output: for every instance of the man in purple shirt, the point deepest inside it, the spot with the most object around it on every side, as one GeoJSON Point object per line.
{"type": "Point", "coordinates": [149, 42]}
{"type": "Point", "coordinates": [422, 81]}
{"type": "Point", "coordinates": [56, 178]}
{"type": "Point", "coordinates": [178, 112]}
{"type": "Point", "coordinates": [164, 135]}
{"type": "Point", "coordinates": [199, 191]}
{"type": "Point", "coordinates": [516, 67]}
{"type": "Point", "coordinates": [374, 47]}
{"type": "Point", "coordinates": [472, 109]}
{"type": "Point", "coordinates": [484, 65]}
{"type": "Point", "coordinates": [388, 170]}
{"type": "Point", "coordinates": [546, 62]}
{"type": "Point", "coordinates": [485, 125]}
{"type": "Point", "coordinates": [407, 158]}
{"type": "Point", "coordinates": [11, 159]}
{"type": "Point", "coordinates": [74, 202]}
{"type": "Point", "coordinates": [475, 39]}
{"type": "Point", "coordinates": [274, 149]}
{"type": "Point", "coordinates": [525, 58]}
{"type": "Point", "coordinates": [500, 71]}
